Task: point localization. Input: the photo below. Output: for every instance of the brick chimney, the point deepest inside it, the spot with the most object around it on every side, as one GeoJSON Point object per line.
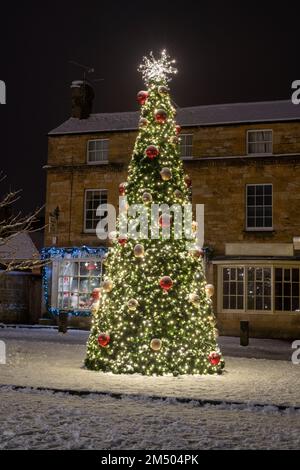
{"type": "Point", "coordinates": [82, 95]}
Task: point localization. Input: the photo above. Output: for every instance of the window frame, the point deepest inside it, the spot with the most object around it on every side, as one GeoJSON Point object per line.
{"type": "Point", "coordinates": [249, 131]}
{"type": "Point", "coordinates": [283, 268]}
{"type": "Point", "coordinates": [246, 273]}
{"type": "Point", "coordinates": [96, 162]}
{"type": "Point", "coordinates": [272, 265]}
{"type": "Point", "coordinates": [86, 191]}
{"type": "Point", "coordinates": [257, 229]}
{"type": "Point", "coordinates": [57, 276]}
{"type": "Point", "coordinates": [222, 284]}
{"type": "Point", "coordinates": [191, 146]}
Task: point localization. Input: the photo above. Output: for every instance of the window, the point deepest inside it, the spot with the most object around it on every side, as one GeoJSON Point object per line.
{"type": "Point", "coordinates": [258, 288]}
{"type": "Point", "coordinates": [233, 288]}
{"type": "Point", "coordinates": [76, 281]}
{"type": "Point", "coordinates": [259, 142]}
{"type": "Point", "coordinates": [97, 151]}
{"type": "Point", "coordinates": [253, 288]}
{"type": "Point", "coordinates": [93, 198]}
{"type": "Point", "coordinates": [186, 145]}
{"type": "Point", "coordinates": [259, 207]}
{"type": "Point", "coordinates": [287, 291]}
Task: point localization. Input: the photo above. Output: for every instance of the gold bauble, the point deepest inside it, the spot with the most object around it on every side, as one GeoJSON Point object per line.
{"type": "Point", "coordinates": [132, 304]}
{"type": "Point", "coordinates": [178, 194]}
{"type": "Point", "coordinates": [166, 174]}
{"type": "Point", "coordinates": [139, 250]}
{"type": "Point", "coordinates": [209, 289]}
{"type": "Point", "coordinates": [155, 344]}
{"type": "Point", "coordinates": [107, 285]}
{"type": "Point", "coordinates": [147, 197]}
{"type": "Point", "coordinates": [194, 299]}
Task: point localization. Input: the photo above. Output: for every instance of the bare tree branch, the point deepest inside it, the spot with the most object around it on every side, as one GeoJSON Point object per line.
{"type": "Point", "coordinates": [9, 199]}
{"type": "Point", "coordinates": [13, 225]}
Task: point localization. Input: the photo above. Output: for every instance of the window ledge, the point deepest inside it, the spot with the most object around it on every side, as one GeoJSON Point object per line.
{"type": "Point", "coordinates": [258, 312]}
{"type": "Point", "coordinates": [267, 154]}
{"type": "Point", "coordinates": [247, 312]}
{"type": "Point", "coordinates": [259, 230]}
{"type": "Point", "coordinates": [92, 234]}
{"type": "Point", "coordinates": [104, 162]}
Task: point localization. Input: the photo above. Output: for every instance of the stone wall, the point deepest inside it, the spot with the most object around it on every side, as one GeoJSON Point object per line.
{"type": "Point", "coordinates": [20, 298]}
{"type": "Point", "coordinates": [221, 187]}
{"type": "Point", "coordinates": [219, 184]}
{"type": "Point", "coordinates": [271, 325]}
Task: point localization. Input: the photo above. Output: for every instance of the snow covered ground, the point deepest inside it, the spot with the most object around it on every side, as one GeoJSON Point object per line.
{"type": "Point", "coordinates": [46, 420]}
{"type": "Point", "coordinates": [31, 420]}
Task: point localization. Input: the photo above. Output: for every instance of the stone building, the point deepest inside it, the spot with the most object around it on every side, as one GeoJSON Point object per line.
{"type": "Point", "coordinates": [244, 161]}
{"type": "Point", "coordinates": [20, 290]}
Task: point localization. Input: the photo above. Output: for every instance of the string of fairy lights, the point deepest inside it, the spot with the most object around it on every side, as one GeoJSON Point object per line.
{"type": "Point", "coordinates": [153, 313]}
{"type": "Point", "coordinates": [58, 253]}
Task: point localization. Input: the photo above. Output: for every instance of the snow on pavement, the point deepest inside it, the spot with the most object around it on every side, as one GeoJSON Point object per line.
{"type": "Point", "coordinates": [39, 420]}
{"type": "Point", "coordinates": [44, 358]}
{"type": "Point", "coordinates": [257, 348]}
{"type": "Point", "coordinates": [32, 419]}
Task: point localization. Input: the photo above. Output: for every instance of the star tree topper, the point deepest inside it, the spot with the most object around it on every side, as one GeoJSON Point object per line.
{"type": "Point", "coordinates": [157, 70]}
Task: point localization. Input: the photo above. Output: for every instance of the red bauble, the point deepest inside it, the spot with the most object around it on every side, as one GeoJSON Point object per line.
{"type": "Point", "coordinates": [142, 97]}
{"type": "Point", "coordinates": [122, 189]}
{"type": "Point", "coordinates": [178, 129]}
{"type": "Point", "coordinates": [214, 358]}
{"type": "Point", "coordinates": [166, 283]}
{"type": "Point", "coordinates": [103, 339]}
{"type": "Point", "coordinates": [152, 152]}
{"type": "Point", "coordinates": [160, 116]}
{"type": "Point", "coordinates": [122, 240]}
{"type": "Point", "coordinates": [188, 181]}
{"type": "Point", "coordinates": [96, 294]}
{"type": "Point", "coordinates": [165, 220]}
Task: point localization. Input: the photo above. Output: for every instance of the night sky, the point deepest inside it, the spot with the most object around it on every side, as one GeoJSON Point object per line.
{"type": "Point", "coordinates": [225, 51]}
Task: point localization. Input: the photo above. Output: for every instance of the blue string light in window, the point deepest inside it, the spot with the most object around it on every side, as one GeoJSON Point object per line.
{"type": "Point", "coordinates": [56, 253]}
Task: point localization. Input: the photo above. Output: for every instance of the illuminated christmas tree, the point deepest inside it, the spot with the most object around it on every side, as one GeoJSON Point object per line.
{"type": "Point", "coordinates": [153, 312]}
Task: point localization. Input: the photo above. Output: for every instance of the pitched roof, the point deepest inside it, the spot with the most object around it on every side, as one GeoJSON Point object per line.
{"type": "Point", "coordinates": [20, 247]}
{"type": "Point", "coordinates": [221, 114]}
